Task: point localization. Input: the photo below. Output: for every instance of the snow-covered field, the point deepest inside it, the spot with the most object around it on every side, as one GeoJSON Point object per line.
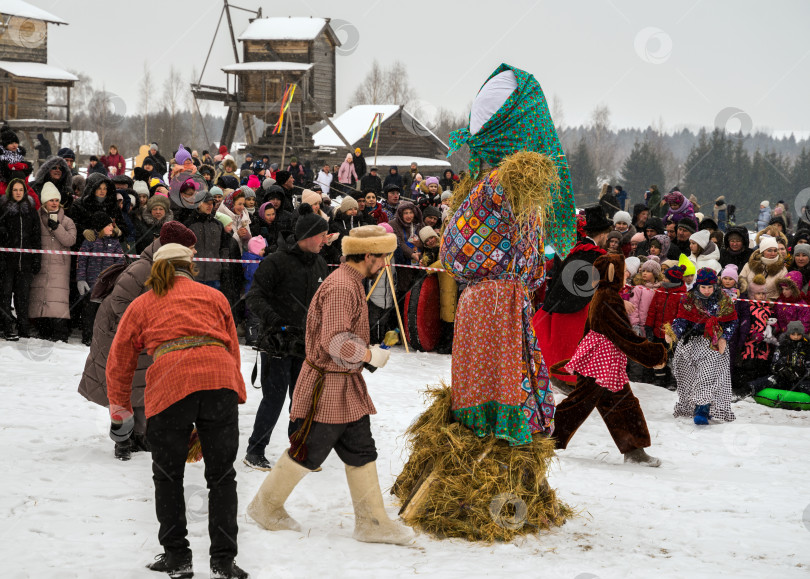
{"type": "Point", "coordinates": [730, 500]}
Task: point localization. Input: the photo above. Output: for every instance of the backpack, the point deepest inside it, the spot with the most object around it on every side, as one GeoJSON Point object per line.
{"type": "Point", "coordinates": [106, 281]}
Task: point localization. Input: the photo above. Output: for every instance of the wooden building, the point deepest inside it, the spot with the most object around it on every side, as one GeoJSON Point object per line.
{"type": "Point", "coordinates": [25, 74]}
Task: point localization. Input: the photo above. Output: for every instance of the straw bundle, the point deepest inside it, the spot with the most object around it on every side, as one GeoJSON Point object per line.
{"type": "Point", "coordinates": [480, 489]}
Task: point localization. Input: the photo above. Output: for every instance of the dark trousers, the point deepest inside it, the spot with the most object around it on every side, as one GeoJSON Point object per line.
{"type": "Point", "coordinates": [278, 376]}
{"type": "Point", "coordinates": [214, 412]}
{"type": "Point", "coordinates": [15, 283]}
{"type": "Point", "coordinates": [620, 410]}
{"type": "Point", "coordinates": [89, 311]}
{"type": "Point", "coordinates": [52, 328]}
{"type": "Point", "coordinates": [352, 442]}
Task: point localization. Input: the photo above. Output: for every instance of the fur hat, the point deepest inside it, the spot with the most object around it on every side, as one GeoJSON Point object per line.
{"type": "Point", "coordinates": [652, 265]}
{"type": "Point", "coordinates": [176, 232]}
{"type": "Point", "coordinates": [701, 238]}
{"type": "Point", "coordinates": [99, 220]}
{"type": "Point", "coordinates": [256, 244]}
{"type": "Point", "coordinates": [310, 197]}
{"type": "Point", "coordinates": [632, 264]}
{"type": "Point", "coordinates": [622, 217]}
{"type": "Point", "coordinates": [368, 239]}
{"type": "Point", "coordinates": [794, 327]}
{"type": "Point", "coordinates": [767, 242]}
{"type": "Point", "coordinates": [157, 200]}
{"type": "Point", "coordinates": [309, 224]}
{"type": "Point", "coordinates": [675, 274]}
{"type": "Point", "coordinates": [49, 191]}
{"type": "Point", "coordinates": [426, 233]}
{"type": "Point", "coordinates": [706, 276]}
{"type": "Point", "coordinates": [348, 204]}
{"type": "Point", "coordinates": [802, 248]}
{"type": "Point", "coordinates": [282, 177]}
{"type": "Point", "coordinates": [173, 251]}
{"type": "Point", "coordinates": [730, 271]}
{"type": "Point", "coordinates": [7, 137]}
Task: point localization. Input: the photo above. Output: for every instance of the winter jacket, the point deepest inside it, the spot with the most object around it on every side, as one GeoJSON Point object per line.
{"type": "Point", "coordinates": [709, 258]}
{"type": "Point", "coordinates": [720, 212]}
{"type": "Point", "coordinates": [50, 288]}
{"type": "Point", "coordinates": [128, 286]}
{"type": "Point", "coordinates": [360, 166]}
{"type": "Point", "coordinates": [324, 180]}
{"type": "Point", "coordinates": [232, 279]}
{"type": "Point", "coordinates": [684, 211]}
{"type": "Point", "coordinates": [239, 220]}
{"type": "Point", "coordinates": [664, 307]}
{"type": "Point", "coordinates": [147, 229]}
{"type": "Point", "coordinates": [748, 341]}
{"type": "Point", "coordinates": [790, 362]}
{"type": "Point", "coordinates": [654, 204]}
{"type": "Point", "coordinates": [82, 210]}
{"type": "Point", "coordinates": [89, 267]}
{"type": "Point", "coordinates": [19, 228]}
{"type": "Point", "coordinates": [738, 258]}
{"type": "Point", "coordinates": [283, 287]}
{"type": "Point", "coordinates": [43, 147]}
{"type": "Point", "coordinates": [342, 224]}
{"type": "Point", "coordinates": [609, 204]}
{"type": "Point", "coordinates": [64, 184]}
{"type": "Point", "coordinates": [212, 242]}
{"type": "Point", "coordinates": [159, 164]}
{"type": "Point", "coordinates": [407, 234]}
{"type": "Point", "coordinates": [377, 213]}
{"type": "Point", "coordinates": [371, 183]}
{"type": "Point", "coordinates": [97, 168]}
{"type": "Point", "coordinates": [298, 174]}
{"type": "Point", "coordinates": [389, 210]}
{"type": "Point", "coordinates": [764, 218]}
{"type": "Point", "coordinates": [346, 173]}
{"type": "Point", "coordinates": [249, 269]}
{"type": "Point", "coordinates": [447, 183]}
{"type": "Point", "coordinates": [394, 178]}
{"type": "Point", "coordinates": [116, 161]}
{"type": "Point", "coordinates": [773, 272]}
{"type": "Point", "coordinates": [788, 313]}
{"type": "Point", "coordinates": [642, 298]}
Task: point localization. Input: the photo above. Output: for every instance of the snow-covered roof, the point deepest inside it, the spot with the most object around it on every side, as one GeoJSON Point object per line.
{"type": "Point", "coordinates": [258, 66]}
{"type": "Point", "coordinates": [403, 161]}
{"type": "Point", "coordinates": [353, 124]}
{"type": "Point", "coordinates": [281, 28]}
{"type": "Point", "coordinates": [36, 70]}
{"type": "Point", "coordinates": [26, 10]}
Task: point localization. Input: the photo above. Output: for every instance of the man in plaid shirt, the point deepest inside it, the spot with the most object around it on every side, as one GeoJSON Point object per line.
{"type": "Point", "coordinates": [331, 404]}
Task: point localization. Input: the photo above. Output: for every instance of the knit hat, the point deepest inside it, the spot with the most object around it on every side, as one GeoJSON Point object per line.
{"type": "Point", "coordinates": [446, 195]}
{"type": "Point", "coordinates": [173, 251]}
{"type": "Point", "coordinates": [622, 217]}
{"type": "Point", "coordinates": [256, 244]}
{"type": "Point", "coordinates": [757, 285]}
{"type": "Point", "coordinates": [675, 274]}
{"type": "Point", "coordinates": [176, 232]}
{"type": "Point", "coordinates": [767, 242]}
{"type": "Point", "coordinates": [795, 327]}
{"type": "Point", "coordinates": [426, 233]}
{"type": "Point", "coordinates": [223, 218]}
{"type": "Point", "coordinates": [216, 191]}
{"type": "Point", "coordinates": [66, 153]}
{"type": "Point", "coordinates": [652, 265]}
{"type": "Point", "coordinates": [432, 181]}
{"type": "Point", "coordinates": [688, 264]}
{"type": "Point", "coordinates": [631, 264]}
{"type": "Point", "coordinates": [253, 182]}
{"type": "Point", "coordinates": [731, 271]}
{"type": "Point", "coordinates": [701, 238]}
{"type": "Point", "coordinates": [687, 224]}
{"type": "Point", "coordinates": [282, 177]}
{"type": "Point", "coordinates": [765, 203]}
{"type": "Point", "coordinates": [705, 276]}
{"type": "Point", "coordinates": [368, 239]}
{"type": "Point", "coordinates": [267, 183]}
{"type": "Point", "coordinates": [181, 156]}
{"type": "Point", "coordinates": [249, 193]}
{"type": "Point", "coordinates": [99, 220]}
{"type": "Point", "coordinates": [798, 248]}
{"type": "Point", "coordinates": [49, 191]}
{"type": "Point", "coordinates": [357, 151]}
{"type": "Point", "coordinates": [431, 211]}
{"type": "Point", "coordinates": [7, 136]}
{"type": "Point", "coordinates": [310, 197]}
{"type": "Point", "coordinates": [157, 200]}
{"type": "Point", "coordinates": [348, 204]}
{"type": "Point", "coordinates": [309, 224]}
{"type": "Point", "coordinates": [637, 238]}
{"type": "Point", "coordinates": [140, 187]}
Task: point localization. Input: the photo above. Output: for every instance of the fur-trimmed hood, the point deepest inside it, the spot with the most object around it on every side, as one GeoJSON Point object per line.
{"type": "Point", "coordinates": [64, 184]}
{"type": "Point", "coordinates": [756, 265]}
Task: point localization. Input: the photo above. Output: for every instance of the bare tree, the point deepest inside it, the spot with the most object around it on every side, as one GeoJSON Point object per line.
{"type": "Point", "coordinates": [398, 86]}
{"type": "Point", "coordinates": [385, 86]}
{"type": "Point", "coordinates": [371, 90]}
{"type": "Point", "coordinates": [146, 87]}
{"type": "Point", "coordinates": [601, 145]}
{"type": "Point", "coordinates": [557, 114]}
{"type": "Point", "coordinates": [173, 88]}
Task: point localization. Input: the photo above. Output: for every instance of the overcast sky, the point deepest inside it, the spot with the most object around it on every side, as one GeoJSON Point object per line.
{"type": "Point", "coordinates": [685, 62]}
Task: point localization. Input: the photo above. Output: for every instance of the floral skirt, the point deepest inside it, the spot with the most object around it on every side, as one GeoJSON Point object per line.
{"type": "Point", "coordinates": [500, 382]}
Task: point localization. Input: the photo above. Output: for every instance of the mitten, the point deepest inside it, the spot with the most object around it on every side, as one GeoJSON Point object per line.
{"type": "Point", "coordinates": [54, 225]}
{"type": "Point", "coordinates": [83, 287]}
{"type": "Point", "coordinates": [379, 356]}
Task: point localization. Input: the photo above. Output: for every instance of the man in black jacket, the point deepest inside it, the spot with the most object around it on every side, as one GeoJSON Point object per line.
{"type": "Point", "coordinates": [371, 182]}
{"type": "Point", "coordinates": [282, 289]}
{"type": "Point", "coordinates": [158, 161]}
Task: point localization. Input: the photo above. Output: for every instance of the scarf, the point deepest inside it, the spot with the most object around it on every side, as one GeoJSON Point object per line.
{"type": "Point", "coordinates": [698, 311]}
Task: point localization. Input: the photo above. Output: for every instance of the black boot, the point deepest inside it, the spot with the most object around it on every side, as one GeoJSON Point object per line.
{"type": "Point", "coordinates": [123, 450]}
{"type": "Point", "coordinates": [177, 566]}
{"type": "Point", "coordinates": [139, 443]}
{"type": "Point", "coordinates": [227, 570]}
{"type": "Point", "coordinates": [10, 332]}
{"type": "Point", "coordinates": [445, 345]}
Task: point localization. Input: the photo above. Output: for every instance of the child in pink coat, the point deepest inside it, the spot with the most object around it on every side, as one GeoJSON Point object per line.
{"type": "Point", "coordinates": [646, 282]}
{"type": "Point", "coordinates": [790, 305]}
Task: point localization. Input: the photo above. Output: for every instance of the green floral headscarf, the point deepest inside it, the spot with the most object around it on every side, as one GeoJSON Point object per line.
{"type": "Point", "coordinates": [524, 123]}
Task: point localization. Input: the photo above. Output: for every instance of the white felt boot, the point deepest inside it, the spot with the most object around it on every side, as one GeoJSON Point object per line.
{"type": "Point", "coordinates": [267, 507]}
{"type": "Point", "coordinates": [371, 522]}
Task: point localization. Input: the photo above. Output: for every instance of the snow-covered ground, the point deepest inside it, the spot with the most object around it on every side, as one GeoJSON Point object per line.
{"type": "Point", "coordinates": [730, 500]}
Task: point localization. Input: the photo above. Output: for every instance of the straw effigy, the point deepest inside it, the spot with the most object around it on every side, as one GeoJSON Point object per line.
{"type": "Point", "coordinates": [480, 489]}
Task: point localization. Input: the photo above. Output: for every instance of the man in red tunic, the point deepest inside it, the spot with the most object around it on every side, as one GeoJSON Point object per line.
{"type": "Point", "coordinates": [331, 404]}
